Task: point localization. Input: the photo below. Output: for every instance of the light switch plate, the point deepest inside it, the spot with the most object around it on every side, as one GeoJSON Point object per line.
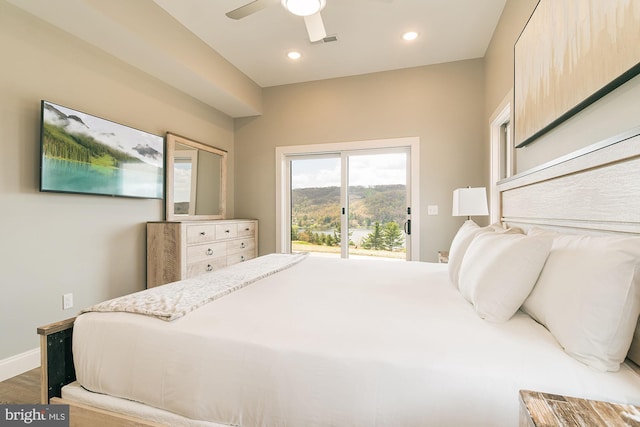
{"type": "Point", "coordinates": [432, 210]}
{"type": "Point", "coordinates": [67, 301]}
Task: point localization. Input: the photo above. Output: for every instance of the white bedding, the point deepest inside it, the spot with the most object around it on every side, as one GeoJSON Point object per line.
{"type": "Point", "coordinates": [76, 393]}
{"type": "Point", "coordinates": [332, 342]}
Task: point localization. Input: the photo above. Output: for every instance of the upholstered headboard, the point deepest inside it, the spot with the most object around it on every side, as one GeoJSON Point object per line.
{"type": "Point", "coordinates": [593, 191]}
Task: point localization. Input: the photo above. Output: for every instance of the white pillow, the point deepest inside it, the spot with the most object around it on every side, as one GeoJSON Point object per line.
{"type": "Point", "coordinates": [467, 232]}
{"type": "Point", "coordinates": [536, 231]}
{"type": "Point", "coordinates": [503, 228]}
{"type": "Point", "coordinates": [588, 297]}
{"type": "Point", "coordinates": [499, 270]}
{"type": "Point", "coordinates": [463, 238]}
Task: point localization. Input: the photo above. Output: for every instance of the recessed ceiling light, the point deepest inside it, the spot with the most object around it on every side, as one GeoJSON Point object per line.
{"type": "Point", "coordinates": [294, 55]}
{"type": "Point", "coordinates": [410, 35]}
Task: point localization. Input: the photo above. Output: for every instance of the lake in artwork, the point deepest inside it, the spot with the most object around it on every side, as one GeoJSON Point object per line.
{"type": "Point", "coordinates": [68, 176]}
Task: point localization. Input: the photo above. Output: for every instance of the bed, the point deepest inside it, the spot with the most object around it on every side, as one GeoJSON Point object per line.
{"type": "Point", "coordinates": [328, 342]}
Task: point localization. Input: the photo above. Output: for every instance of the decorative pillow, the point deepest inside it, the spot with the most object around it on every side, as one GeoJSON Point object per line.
{"type": "Point", "coordinates": [499, 270]}
{"type": "Point", "coordinates": [467, 232]}
{"type": "Point", "coordinates": [463, 238]}
{"type": "Point", "coordinates": [588, 297]}
{"type": "Point", "coordinates": [536, 231]}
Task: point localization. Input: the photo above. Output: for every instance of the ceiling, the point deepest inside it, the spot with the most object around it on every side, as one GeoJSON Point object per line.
{"type": "Point", "coordinates": [368, 32]}
{"type": "Point", "coordinates": [193, 46]}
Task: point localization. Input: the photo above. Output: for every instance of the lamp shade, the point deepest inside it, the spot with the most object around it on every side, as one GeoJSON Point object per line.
{"type": "Point", "coordinates": [470, 202]}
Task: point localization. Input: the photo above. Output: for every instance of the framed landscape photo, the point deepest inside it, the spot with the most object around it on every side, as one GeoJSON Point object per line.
{"type": "Point", "coordinates": [81, 153]}
{"type": "Point", "coordinates": [570, 54]}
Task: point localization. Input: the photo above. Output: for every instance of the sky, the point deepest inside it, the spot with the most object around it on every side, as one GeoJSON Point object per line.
{"type": "Point", "coordinates": [181, 181]}
{"type": "Point", "coordinates": [364, 170]}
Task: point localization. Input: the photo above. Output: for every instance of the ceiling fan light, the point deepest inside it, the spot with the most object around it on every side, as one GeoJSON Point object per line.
{"type": "Point", "coordinates": [304, 7]}
{"type": "Point", "coordinates": [410, 35]}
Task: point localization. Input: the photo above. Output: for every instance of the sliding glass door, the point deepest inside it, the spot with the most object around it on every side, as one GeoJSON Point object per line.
{"type": "Point", "coordinates": [315, 204]}
{"type": "Point", "coordinates": [351, 203]}
{"type": "Point", "coordinates": [377, 204]}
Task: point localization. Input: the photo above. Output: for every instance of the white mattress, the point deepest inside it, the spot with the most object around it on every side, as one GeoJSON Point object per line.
{"type": "Point", "coordinates": [332, 342]}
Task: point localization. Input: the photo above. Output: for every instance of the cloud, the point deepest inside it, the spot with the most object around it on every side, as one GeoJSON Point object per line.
{"type": "Point", "coordinates": [115, 135]}
{"type": "Point", "coordinates": [364, 170]}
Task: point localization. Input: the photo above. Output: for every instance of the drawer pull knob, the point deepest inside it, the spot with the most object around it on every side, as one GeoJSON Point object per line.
{"type": "Point", "coordinates": [209, 267]}
{"type": "Point", "coordinates": [227, 231]}
{"type": "Point", "coordinates": [242, 245]}
{"type": "Point", "coordinates": [202, 233]}
{"type": "Point", "coordinates": [247, 229]}
{"type": "Point", "coordinates": [242, 258]}
{"type": "Point", "coordinates": [209, 251]}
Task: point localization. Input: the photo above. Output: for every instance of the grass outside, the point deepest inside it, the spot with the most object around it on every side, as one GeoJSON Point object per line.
{"type": "Point", "coordinates": [299, 246]}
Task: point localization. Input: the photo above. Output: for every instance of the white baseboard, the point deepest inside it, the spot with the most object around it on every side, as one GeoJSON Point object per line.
{"type": "Point", "coordinates": [20, 363]}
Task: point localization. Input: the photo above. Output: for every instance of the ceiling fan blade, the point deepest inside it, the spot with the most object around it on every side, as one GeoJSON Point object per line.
{"type": "Point", "coordinates": [248, 9]}
{"type": "Point", "coordinates": [315, 27]}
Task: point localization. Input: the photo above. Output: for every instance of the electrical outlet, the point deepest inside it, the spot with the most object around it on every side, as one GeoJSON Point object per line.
{"type": "Point", "coordinates": [67, 301]}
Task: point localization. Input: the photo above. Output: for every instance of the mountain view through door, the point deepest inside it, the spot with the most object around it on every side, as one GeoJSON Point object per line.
{"type": "Point", "coordinates": [376, 196]}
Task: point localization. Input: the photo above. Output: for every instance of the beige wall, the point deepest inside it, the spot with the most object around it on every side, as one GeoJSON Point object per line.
{"type": "Point", "coordinates": [51, 244]}
{"type": "Point", "coordinates": [499, 55]}
{"type": "Point", "coordinates": [441, 104]}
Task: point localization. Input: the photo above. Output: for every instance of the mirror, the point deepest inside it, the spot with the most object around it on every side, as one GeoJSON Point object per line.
{"type": "Point", "coordinates": [196, 180]}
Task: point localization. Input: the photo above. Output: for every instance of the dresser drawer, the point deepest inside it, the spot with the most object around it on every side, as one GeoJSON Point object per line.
{"type": "Point", "coordinates": [206, 251]}
{"type": "Point", "coordinates": [177, 250]}
{"type": "Point", "coordinates": [240, 257]}
{"type": "Point", "coordinates": [240, 245]}
{"type": "Point", "coordinates": [200, 233]}
{"type": "Point", "coordinates": [197, 268]}
{"type": "Point", "coordinates": [246, 229]}
{"type": "Point", "coordinates": [226, 231]}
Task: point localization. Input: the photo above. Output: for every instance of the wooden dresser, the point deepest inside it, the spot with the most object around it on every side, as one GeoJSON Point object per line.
{"type": "Point", "coordinates": [179, 250]}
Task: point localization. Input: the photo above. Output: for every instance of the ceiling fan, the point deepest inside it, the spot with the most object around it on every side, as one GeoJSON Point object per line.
{"type": "Point", "coordinates": [308, 9]}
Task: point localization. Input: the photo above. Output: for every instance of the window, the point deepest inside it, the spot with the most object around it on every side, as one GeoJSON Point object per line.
{"type": "Point", "coordinates": [502, 153]}
{"type": "Point", "coordinates": [505, 151]}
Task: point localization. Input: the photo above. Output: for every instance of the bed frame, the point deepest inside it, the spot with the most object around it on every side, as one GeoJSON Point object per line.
{"type": "Point", "coordinates": [57, 370]}
{"type": "Point", "coordinates": [594, 190]}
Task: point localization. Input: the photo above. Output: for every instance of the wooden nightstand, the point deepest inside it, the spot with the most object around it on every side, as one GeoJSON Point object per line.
{"type": "Point", "coordinates": [552, 410]}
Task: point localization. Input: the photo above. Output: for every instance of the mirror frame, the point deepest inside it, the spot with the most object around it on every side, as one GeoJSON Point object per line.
{"type": "Point", "coordinates": [172, 140]}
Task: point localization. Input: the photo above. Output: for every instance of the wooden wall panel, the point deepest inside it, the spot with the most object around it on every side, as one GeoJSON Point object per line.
{"type": "Point", "coordinates": [598, 189]}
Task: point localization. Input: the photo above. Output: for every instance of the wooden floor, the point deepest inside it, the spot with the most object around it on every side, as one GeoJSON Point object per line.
{"type": "Point", "coordinates": [22, 389]}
